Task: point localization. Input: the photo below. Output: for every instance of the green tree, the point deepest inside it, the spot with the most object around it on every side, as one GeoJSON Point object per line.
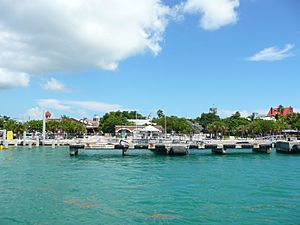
{"type": "Point", "coordinates": [207, 118]}
{"type": "Point", "coordinates": [263, 127]}
{"type": "Point", "coordinates": [175, 124]}
{"type": "Point", "coordinates": [132, 115]}
{"type": "Point", "coordinates": [54, 126]}
{"type": "Point", "coordinates": [112, 119]}
{"type": "Point", "coordinates": [34, 126]}
{"type": "Point", "coordinates": [217, 127]}
{"type": "Point", "coordinates": [291, 120]}
{"type": "Point", "coordinates": [15, 126]}
{"type": "Point", "coordinates": [160, 113]}
{"type": "Point", "coordinates": [234, 123]}
{"type": "Point", "coordinates": [71, 126]}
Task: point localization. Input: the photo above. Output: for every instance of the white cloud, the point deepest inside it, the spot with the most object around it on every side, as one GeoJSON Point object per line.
{"type": "Point", "coordinates": [10, 79]}
{"type": "Point", "coordinates": [54, 85]}
{"type": "Point", "coordinates": [95, 106]}
{"type": "Point", "coordinates": [272, 54]}
{"type": "Point", "coordinates": [52, 104]}
{"type": "Point", "coordinates": [78, 106]}
{"type": "Point", "coordinates": [40, 37]}
{"type": "Point", "coordinates": [214, 13]}
{"type": "Point", "coordinates": [55, 36]}
{"type": "Point", "coordinates": [35, 113]}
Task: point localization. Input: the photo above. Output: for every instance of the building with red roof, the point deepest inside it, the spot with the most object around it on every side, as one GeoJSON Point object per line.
{"type": "Point", "coordinates": [280, 111]}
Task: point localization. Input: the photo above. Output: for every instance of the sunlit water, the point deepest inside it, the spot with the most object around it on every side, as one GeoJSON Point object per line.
{"type": "Point", "coordinates": [46, 186]}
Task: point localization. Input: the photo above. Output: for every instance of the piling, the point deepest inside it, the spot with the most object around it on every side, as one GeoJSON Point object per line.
{"type": "Point", "coordinates": [37, 142]}
{"type": "Point", "coordinates": [287, 147]}
{"type": "Point", "coordinates": [5, 144]}
{"type": "Point", "coordinates": [74, 149]}
{"type": "Point", "coordinates": [53, 143]}
{"type": "Point", "coordinates": [141, 146]}
{"type": "Point", "coordinates": [24, 138]}
{"type": "Point", "coordinates": [125, 152]}
{"type": "Point", "coordinates": [283, 147]}
{"type": "Point", "coordinates": [30, 144]}
{"type": "Point", "coordinates": [218, 150]}
{"type": "Point", "coordinates": [263, 148]}
{"type": "Point", "coordinates": [178, 151]}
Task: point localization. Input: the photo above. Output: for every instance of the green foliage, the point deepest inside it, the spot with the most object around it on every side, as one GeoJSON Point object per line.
{"type": "Point", "coordinates": [207, 118]}
{"type": "Point", "coordinates": [160, 113]}
{"type": "Point", "coordinates": [6, 123]}
{"type": "Point", "coordinates": [132, 115]}
{"type": "Point", "coordinates": [54, 126]}
{"type": "Point", "coordinates": [292, 120]}
{"type": "Point", "coordinates": [217, 127]}
{"type": "Point", "coordinates": [34, 125]}
{"type": "Point", "coordinates": [263, 127]}
{"type": "Point", "coordinates": [71, 126]}
{"type": "Point", "coordinates": [235, 124]}
{"type": "Point", "coordinates": [111, 119]}
{"type": "Point", "coordinates": [175, 124]}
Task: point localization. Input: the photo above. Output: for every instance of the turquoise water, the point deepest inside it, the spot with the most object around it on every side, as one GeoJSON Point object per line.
{"type": "Point", "coordinates": [46, 186]}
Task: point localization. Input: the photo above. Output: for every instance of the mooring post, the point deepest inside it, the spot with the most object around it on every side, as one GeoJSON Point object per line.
{"type": "Point", "coordinates": [30, 144]}
{"type": "Point", "coordinates": [125, 152]}
{"type": "Point", "coordinates": [5, 143]}
{"type": "Point", "coordinates": [24, 138]}
{"type": "Point", "coordinates": [74, 149]}
{"type": "Point", "coordinates": [37, 142]}
{"type": "Point", "coordinates": [53, 143]}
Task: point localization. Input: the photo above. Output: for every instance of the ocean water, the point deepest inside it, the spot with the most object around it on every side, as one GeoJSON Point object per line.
{"type": "Point", "coordinates": [46, 186]}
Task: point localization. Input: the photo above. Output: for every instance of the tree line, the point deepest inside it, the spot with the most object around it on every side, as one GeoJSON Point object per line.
{"type": "Point", "coordinates": [234, 125]}
{"type": "Point", "coordinates": [65, 125]}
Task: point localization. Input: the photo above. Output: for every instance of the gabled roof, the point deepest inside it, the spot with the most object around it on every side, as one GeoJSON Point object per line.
{"type": "Point", "coordinates": [280, 111]}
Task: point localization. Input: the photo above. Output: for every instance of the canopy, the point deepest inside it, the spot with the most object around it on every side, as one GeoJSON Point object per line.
{"type": "Point", "coordinates": [150, 128]}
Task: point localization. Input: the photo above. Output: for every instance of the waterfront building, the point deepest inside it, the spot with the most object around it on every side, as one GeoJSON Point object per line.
{"type": "Point", "coordinates": [280, 111]}
{"type": "Point", "coordinates": [137, 130]}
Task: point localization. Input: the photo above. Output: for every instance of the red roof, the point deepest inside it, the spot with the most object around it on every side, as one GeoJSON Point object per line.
{"type": "Point", "coordinates": [282, 111]}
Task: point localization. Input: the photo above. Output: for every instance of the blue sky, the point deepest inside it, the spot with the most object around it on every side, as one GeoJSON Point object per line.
{"type": "Point", "coordinates": [248, 63]}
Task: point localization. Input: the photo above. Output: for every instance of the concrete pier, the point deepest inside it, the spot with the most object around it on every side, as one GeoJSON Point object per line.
{"type": "Point", "coordinates": [74, 149]}
{"type": "Point", "coordinates": [287, 147]}
{"type": "Point", "coordinates": [218, 150]}
{"type": "Point", "coordinates": [177, 151]}
{"type": "Point", "coordinates": [182, 149]}
{"type": "Point", "coordinates": [263, 148]}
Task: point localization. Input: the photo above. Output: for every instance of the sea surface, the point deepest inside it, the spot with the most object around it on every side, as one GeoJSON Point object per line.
{"type": "Point", "coordinates": [46, 186]}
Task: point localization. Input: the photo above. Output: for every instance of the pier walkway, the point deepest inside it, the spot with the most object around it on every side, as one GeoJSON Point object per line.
{"type": "Point", "coordinates": [183, 149]}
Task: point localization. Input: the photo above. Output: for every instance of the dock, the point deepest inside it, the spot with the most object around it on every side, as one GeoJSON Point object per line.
{"type": "Point", "coordinates": [183, 149]}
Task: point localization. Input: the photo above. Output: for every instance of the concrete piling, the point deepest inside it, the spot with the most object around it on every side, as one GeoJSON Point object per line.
{"type": "Point", "coordinates": [37, 142]}
{"type": "Point", "coordinates": [53, 144]}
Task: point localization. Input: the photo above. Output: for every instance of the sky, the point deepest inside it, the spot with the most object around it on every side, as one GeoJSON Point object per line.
{"type": "Point", "coordinates": [86, 57]}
